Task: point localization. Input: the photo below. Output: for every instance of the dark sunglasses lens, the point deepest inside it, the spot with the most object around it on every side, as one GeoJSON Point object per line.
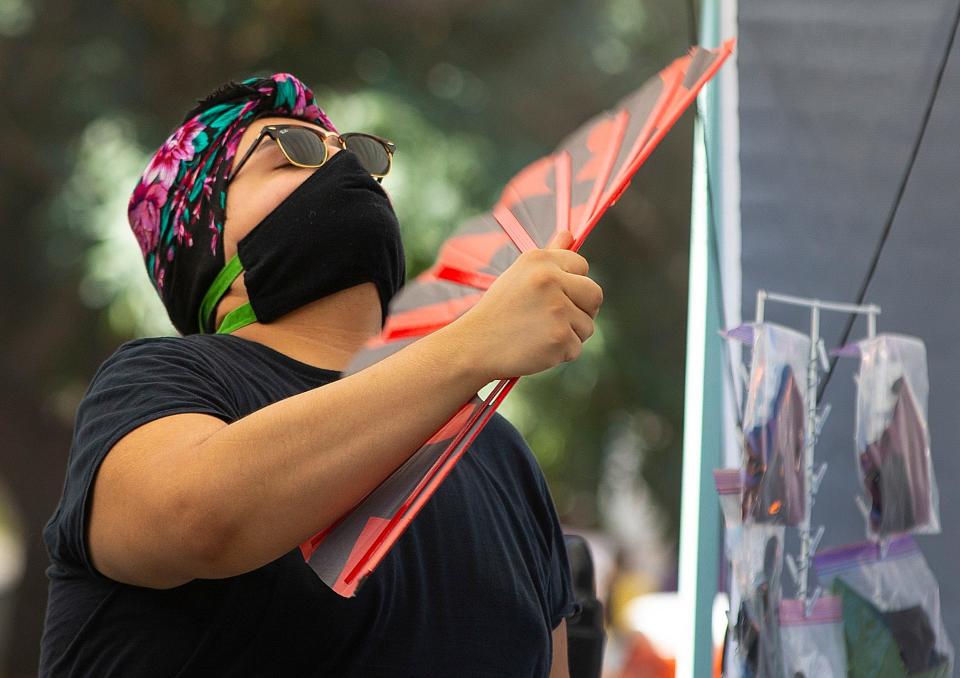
{"type": "Point", "coordinates": [303, 146]}
{"type": "Point", "coordinates": [371, 153]}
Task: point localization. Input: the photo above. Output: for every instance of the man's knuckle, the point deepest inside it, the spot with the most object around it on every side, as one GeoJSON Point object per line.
{"type": "Point", "coordinates": [542, 278]}
{"type": "Point", "coordinates": [535, 255]}
{"type": "Point", "coordinates": [558, 337]}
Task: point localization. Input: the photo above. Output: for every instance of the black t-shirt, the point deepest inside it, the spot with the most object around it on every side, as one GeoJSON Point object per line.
{"type": "Point", "coordinates": [473, 587]}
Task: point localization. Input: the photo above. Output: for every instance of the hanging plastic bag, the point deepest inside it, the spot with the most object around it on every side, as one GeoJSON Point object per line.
{"type": "Point", "coordinates": [813, 645]}
{"type": "Point", "coordinates": [773, 424]}
{"type": "Point", "coordinates": [757, 568]}
{"type": "Point", "coordinates": [892, 437]}
{"type": "Point", "coordinates": [729, 486]}
{"type": "Point", "coordinates": [891, 609]}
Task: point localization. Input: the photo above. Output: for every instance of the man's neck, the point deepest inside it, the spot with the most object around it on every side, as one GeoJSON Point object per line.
{"type": "Point", "coordinates": [325, 333]}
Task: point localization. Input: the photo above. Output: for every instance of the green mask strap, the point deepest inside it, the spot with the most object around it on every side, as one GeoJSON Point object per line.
{"type": "Point", "coordinates": [239, 317]}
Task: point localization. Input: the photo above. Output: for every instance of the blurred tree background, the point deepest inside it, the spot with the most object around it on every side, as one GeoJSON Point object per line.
{"type": "Point", "coordinates": [471, 92]}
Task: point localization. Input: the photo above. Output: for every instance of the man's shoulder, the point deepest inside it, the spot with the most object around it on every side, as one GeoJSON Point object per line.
{"type": "Point", "coordinates": [164, 363]}
{"type": "Point", "coordinates": [163, 351]}
{"type": "Point", "coordinates": [166, 345]}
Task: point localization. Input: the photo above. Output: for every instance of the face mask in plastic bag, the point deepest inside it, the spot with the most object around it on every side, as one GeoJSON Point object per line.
{"type": "Point", "coordinates": [728, 484]}
{"type": "Point", "coordinates": [892, 438]}
{"type": "Point", "coordinates": [891, 609]}
{"type": "Point", "coordinates": [757, 567]}
{"type": "Point", "coordinates": [812, 645]}
{"type": "Point", "coordinates": [773, 424]}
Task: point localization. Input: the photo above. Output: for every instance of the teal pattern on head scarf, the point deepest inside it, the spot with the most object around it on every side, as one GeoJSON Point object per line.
{"type": "Point", "coordinates": [178, 206]}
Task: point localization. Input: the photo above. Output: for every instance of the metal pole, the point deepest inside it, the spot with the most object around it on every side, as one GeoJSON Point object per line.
{"type": "Point", "coordinates": [840, 307]}
{"type": "Point", "coordinates": [862, 309]}
{"type": "Point", "coordinates": [700, 549]}
{"type": "Point", "coordinates": [813, 379]}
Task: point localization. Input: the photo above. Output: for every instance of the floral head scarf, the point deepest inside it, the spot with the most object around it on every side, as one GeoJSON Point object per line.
{"type": "Point", "coordinates": [178, 207]}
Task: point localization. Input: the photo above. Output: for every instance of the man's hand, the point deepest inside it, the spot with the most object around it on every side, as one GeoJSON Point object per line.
{"type": "Point", "coordinates": [535, 315]}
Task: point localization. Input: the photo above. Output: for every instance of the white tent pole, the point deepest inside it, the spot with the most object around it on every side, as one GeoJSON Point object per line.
{"type": "Point", "coordinates": [703, 432]}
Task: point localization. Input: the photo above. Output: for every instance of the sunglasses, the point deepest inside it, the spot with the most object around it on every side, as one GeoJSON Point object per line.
{"type": "Point", "coordinates": [307, 147]}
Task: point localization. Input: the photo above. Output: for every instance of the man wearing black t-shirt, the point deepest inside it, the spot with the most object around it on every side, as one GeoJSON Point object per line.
{"type": "Point", "coordinates": [199, 463]}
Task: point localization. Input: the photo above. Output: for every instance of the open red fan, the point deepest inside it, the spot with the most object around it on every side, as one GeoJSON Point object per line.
{"type": "Point", "coordinates": [567, 190]}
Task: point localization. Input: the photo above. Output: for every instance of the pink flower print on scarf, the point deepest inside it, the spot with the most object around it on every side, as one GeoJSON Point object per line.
{"type": "Point", "coordinates": [145, 206]}
{"type": "Point", "coordinates": [179, 146]}
{"type": "Point", "coordinates": [303, 106]}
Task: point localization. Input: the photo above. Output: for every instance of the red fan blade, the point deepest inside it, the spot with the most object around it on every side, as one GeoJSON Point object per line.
{"type": "Point", "coordinates": [567, 190]}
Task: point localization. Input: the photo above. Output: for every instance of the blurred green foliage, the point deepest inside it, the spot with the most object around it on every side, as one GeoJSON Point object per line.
{"type": "Point", "coordinates": [471, 92]}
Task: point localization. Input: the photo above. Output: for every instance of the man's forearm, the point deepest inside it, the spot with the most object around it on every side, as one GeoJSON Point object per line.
{"type": "Point", "coordinates": [279, 475]}
{"type": "Point", "coordinates": [225, 499]}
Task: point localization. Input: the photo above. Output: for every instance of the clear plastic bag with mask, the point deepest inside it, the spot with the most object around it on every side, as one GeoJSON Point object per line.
{"type": "Point", "coordinates": [774, 416]}
{"type": "Point", "coordinates": [812, 644]}
{"type": "Point", "coordinates": [728, 484]}
{"type": "Point", "coordinates": [892, 616]}
{"type": "Point", "coordinates": [757, 568]}
{"type": "Point", "coordinates": [892, 436]}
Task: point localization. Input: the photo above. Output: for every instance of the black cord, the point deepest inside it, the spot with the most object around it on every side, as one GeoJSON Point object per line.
{"type": "Point", "coordinates": [896, 203]}
{"type": "Point", "coordinates": [692, 28]}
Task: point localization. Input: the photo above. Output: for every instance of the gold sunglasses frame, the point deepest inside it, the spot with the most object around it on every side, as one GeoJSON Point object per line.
{"type": "Point", "coordinates": [274, 132]}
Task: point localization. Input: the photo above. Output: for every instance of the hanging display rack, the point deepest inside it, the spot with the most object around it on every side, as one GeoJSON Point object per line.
{"type": "Point", "coordinates": [814, 421]}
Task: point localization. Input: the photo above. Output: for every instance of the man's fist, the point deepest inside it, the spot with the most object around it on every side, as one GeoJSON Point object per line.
{"type": "Point", "coordinates": [536, 314]}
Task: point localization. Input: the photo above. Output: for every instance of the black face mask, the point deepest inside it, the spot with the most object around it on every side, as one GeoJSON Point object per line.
{"type": "Point", "coordinates": [336, 230]}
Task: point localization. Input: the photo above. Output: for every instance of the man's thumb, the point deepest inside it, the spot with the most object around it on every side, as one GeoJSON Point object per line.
{"type": "Point", "coordinates": [562, 240]}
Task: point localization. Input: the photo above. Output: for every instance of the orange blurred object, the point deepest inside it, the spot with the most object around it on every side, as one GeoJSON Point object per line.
{"type": "Point", "coordinates": [643, 661]}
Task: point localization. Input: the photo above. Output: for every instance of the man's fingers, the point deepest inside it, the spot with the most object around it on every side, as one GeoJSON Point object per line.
{"type": "Point", "coordinates": [582, 324]}
{"type": "Point", "coordinates": [584, 292]}
{"type": "Point", "coordinates": [559, 252]}
{"type": "Point", "coordinates": [568, 261]}
{"type": "Point", "coordinates": [561, 240]}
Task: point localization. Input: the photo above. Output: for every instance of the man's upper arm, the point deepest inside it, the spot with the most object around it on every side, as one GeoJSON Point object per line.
{"type": "Point", "coordinates": [132, 413]}
{"type": "Point", "coordinates": [142, 529]}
